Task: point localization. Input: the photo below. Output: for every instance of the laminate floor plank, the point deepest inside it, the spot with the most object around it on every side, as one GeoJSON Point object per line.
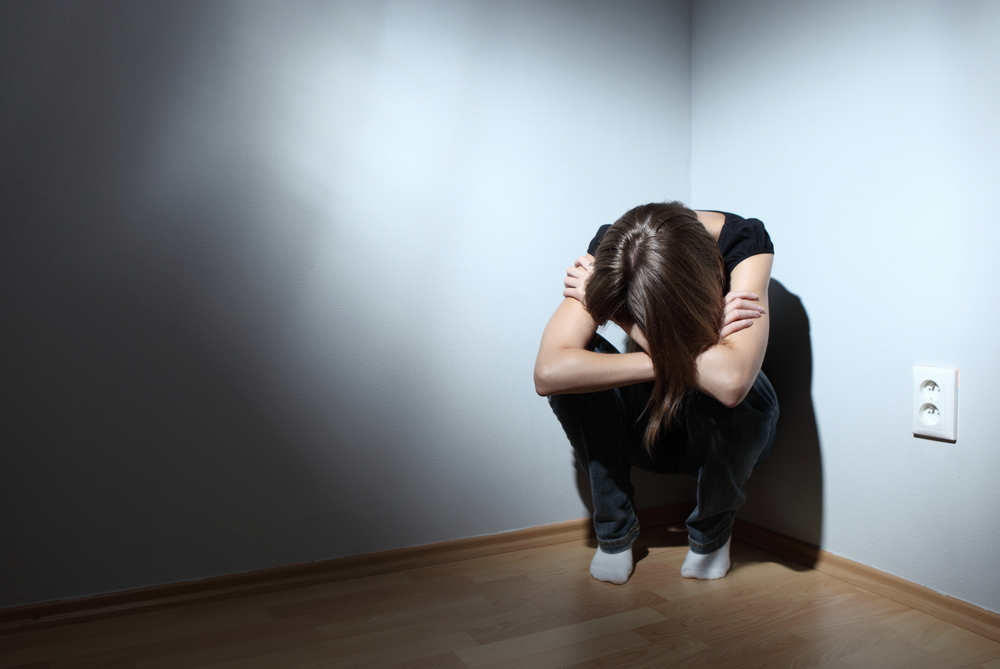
{"type": "Point", "coordinates": [888, 655]}
{"type": "Point", "coordinates": [572, 653]}
{"type": "Point", "coordinates": [442, 661]}
{"type": "Point", "coordinates": [295, 594]}
{"type": "Point", "coordinates": [833, 664]}
{"type": "Point", "coordinates": [537, 563]}
{"type": "Point", "coordinates": [929, 633]}
{"type": "Point", "coordinates": [452, 619]}
{"type": "Point", "coordinates": [511, 650]}
{"type": "Point", "coordinates": [205, 647]}
{"type": "Point", "coordinates": [314, 656]}
{"type": "Point", "coordinates": [70, 639]}
{"type": "Point", "coordinates": [649, 656]}
{"type": "Point", "coordinates": [841, 640]}
{"type": "Point", "coordinates": [345, 607]}
{"type": "Point", "coordinates": [394, 651]}
{"type": "Point", "coordinates": [533, 608]}
{"type": "Point", "coordinates": [535, 615]}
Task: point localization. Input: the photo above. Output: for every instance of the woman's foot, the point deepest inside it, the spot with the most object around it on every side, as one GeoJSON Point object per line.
{"type": "Point", "coordinates": [708, 566]}
{"type": "Point", "coordinates": [612, 567]}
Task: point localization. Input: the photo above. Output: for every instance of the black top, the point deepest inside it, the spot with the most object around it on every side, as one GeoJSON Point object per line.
{"type": "Point", "coordinates": [740, 238]}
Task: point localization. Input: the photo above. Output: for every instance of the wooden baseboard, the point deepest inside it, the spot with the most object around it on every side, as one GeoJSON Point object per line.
{"type": "Point", "coordinates": [47, 614]}
{"type": "Point", "coordinates": [62, 612]}
{"type": "Point", "coordinates": [949, 609]}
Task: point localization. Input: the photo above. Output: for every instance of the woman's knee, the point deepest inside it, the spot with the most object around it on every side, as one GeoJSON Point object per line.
{"type": "Point", "coordinates": [762, 397]}
{"type": "Point", "coordinates": [742, 435]}
{"type": "Point", "coordinates": [604, 405]}
{"type": "Point", "coordinates": [762, 412]}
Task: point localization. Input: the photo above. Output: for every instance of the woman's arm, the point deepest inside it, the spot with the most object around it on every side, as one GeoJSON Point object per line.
{"type": "Point", "coordinates": [564, 365]}
{"type": "Point", "coordinates": [728, 370]}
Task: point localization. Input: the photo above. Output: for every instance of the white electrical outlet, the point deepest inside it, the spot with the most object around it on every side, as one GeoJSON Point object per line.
{"type": "Point", "coordinates": [935, 402]}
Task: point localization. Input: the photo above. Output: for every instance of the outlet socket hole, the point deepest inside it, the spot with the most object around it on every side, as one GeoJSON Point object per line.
{"type": "Point", "coordinates": [929, 415]}
{"type": "Point", "coordinates": [930, 390]}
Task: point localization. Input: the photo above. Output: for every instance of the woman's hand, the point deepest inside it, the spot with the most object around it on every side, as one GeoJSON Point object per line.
{"type": "Point", "coordinates": [739, 312]}
{"type": "Point", "coordinates": [576, 278]}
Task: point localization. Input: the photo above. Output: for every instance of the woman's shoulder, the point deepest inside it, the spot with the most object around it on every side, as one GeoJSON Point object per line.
{"type": "Point", "coordinates": [714, 222]}
{"type": "Point", "coordinates": [596, 241]}
{"type": "Point", "coordinates": [741, 238]}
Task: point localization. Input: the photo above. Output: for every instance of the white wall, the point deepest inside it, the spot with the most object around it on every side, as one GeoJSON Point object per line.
{"type": "Point", "coordinates": [867, 137]}
{"type": "Point", "coordinates": [275, 273]}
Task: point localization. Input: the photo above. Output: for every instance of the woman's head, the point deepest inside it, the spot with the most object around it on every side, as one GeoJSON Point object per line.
{"type": "Point", "coordinates": [660, 269]}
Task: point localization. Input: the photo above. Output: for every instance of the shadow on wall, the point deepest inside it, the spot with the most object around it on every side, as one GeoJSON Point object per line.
{"type": "Point", "coordinates": [785, 494]}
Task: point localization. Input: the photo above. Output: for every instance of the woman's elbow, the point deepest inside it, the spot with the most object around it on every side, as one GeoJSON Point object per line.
{"type": "Point", "coordinates": [541, 387]}
{"type": "Point", "coordinates": [553, 375]}
{"type": "Point", "coordinates": [544, 381]}
{"type": "Point", "coordinates": [734, 390]}
{"type": "Point", "coordinates": [731, 399]}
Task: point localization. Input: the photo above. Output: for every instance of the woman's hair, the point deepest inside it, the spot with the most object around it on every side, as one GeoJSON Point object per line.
{"type": "Point", "coordinates": [660, 269]}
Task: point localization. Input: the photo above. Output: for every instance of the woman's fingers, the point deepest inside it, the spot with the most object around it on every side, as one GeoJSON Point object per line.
{"type": "Point", "coordinates": [741, 295]}
{"type": "Point", "coordinates": [734, 327]}
{"type": "Point", "coordinates": [571, 281]}
{"type": "Point", "coordinates": [743, 303]}
{"type": "Point", "coordinates": [740, 314]}
{"type": "Point", "coordinates": [741, 308]}
{"type": "Point", "coordinates": [574, 278]}
{"type": "Point", "coordinates": [575, 283]}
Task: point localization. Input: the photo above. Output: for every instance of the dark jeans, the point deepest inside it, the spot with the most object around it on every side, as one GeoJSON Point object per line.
{"type": "Point", "coordinates": [718, 445]}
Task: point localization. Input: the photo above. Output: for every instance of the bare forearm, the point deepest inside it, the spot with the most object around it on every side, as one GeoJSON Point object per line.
{"type": "Point", "coordinates": [565, 365]}
{"type": "Point", "coordinates": [728, 370]}
{"type": "Point", "coordinates": [580, 371]}
{"type": "Point", "coordinates": [725, 374]}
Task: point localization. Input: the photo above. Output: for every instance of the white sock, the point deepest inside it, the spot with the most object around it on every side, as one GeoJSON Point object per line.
{"type": "Point", "coordinates": [612, 567]}
{"type": "Point", "coordinates": [708, 566]}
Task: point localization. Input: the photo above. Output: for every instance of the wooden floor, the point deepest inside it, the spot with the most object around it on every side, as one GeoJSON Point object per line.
{"type": "Point", "coordinates": [531, 608]}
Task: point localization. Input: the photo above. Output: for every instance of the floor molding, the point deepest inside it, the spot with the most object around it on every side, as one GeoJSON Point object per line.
{"type": "Point", "coordinates": [61, 612]}
{"type": "Point", "coordinates": [48, 614]}
{"type": "Point", "coordinates": [949, 609]}
{"type": "Point", "coordinates": [64, 612]}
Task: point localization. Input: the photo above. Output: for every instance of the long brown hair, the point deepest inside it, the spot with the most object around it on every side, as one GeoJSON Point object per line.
{"type": "Point", "coordinates": [660, 269]}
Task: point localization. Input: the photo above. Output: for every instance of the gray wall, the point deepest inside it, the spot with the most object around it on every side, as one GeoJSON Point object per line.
{"type": "Point", "coordinates": [274, 273]}
{"type": "Point", "coordinates": [866, 136]}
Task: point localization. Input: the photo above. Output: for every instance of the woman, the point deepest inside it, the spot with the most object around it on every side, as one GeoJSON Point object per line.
{"type": "Point", "coordinates": [690, 289]}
